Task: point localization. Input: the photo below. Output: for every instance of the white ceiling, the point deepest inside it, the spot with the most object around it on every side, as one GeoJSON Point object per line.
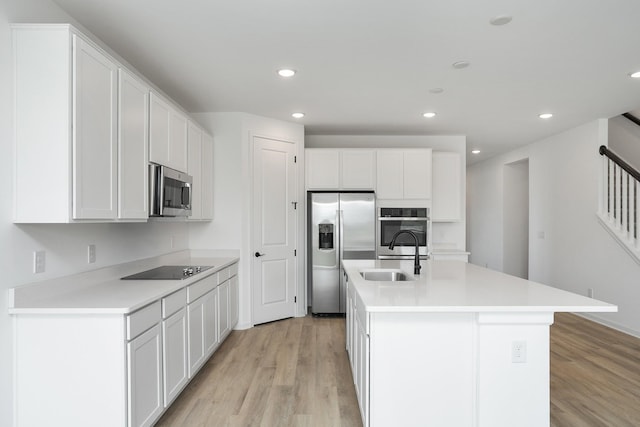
{"type": "Point", "coordinates": [366, 66]}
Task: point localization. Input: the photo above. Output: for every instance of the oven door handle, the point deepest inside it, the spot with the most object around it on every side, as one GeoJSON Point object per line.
{"type": "Point", "coordinates": [396, 218]}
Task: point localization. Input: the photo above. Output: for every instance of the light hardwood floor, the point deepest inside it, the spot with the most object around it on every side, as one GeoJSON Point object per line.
{"type": "Point", "coordinates": [296, 373]}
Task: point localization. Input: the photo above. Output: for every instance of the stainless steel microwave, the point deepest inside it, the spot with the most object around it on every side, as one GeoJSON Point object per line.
{"type": "Point", "coordinates": [169, 191]}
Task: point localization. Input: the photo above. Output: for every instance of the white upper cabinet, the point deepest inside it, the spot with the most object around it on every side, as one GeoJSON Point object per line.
{"type": "Point", "coordinates": [447, 187]}
{"type": "Point", "coordinates": [207, 177]}
{"type": "Point", "coordinates": [65, 127]}
{"type": "Point", "coordinates": [337, 169]}
{"type": "Point", "coordinates": [404, 174]}
{"type": "Point", "coordinates": [168, 134]}
{"type": "Point", "coordinates": [322, 169]}
{"type": "Point", "coordinates": [133, 147]}
{"type": "Point", "coordinates": [94, 132]}
{"type": "Point", "coordinates": [200, 167]}
{"type": "Point", "coordinates": [194, 168]}
{"type": "Point", "coordinates": [358, 169]}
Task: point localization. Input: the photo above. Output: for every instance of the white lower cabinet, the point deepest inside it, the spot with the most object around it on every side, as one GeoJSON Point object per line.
{"type": "Point", "coordinates": [223, 294]}
{"type": "Point", "coordinates": [144, 369]}
{"type": "Point", "coordinates": [196, 336]}
{"type": "Point", "coordinates": [174, 334]}
{"type": "Point", "coordinates": [234, 301]}
{"type": "Point", "coordinates": [105, 370]}
{"type": "Point", "coordinates": [358, 349]}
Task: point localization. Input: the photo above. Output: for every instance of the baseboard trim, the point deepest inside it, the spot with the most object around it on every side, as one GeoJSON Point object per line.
{"type": "Point", "coordinates": [609, 324]}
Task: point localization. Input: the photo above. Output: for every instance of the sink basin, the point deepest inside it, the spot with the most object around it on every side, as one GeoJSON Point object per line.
{"type": "Point", "coordinates": [386, 275]}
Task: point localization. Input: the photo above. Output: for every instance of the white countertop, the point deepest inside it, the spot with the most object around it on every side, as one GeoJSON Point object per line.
{"type": "Point", "coordinates": [456, 286]}
{"type": "Point", "coordinates": [103, 292]}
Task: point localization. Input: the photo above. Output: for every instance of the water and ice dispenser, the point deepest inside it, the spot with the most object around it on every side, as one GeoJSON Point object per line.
{"type": "Point", "coordinates": [325, 236]}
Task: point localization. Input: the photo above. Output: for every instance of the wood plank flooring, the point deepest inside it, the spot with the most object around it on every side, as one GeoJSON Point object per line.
{"type": "Point", "coordinates": [296, 373]}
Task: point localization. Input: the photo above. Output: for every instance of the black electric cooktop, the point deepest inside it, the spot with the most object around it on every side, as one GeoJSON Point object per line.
{"type": "Point", "coordinates": [169, 272]}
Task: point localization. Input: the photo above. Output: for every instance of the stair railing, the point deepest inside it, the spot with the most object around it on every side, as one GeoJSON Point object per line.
{"type": "Point", "coordinates": [619, 204]}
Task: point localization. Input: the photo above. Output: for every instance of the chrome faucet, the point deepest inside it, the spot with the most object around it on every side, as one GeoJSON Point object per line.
{"type": "Point", "coordinates": [416, 261]}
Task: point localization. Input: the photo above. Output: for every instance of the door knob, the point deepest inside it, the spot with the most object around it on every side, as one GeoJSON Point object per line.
{"type": "Point", "coordinates": [258, 254]}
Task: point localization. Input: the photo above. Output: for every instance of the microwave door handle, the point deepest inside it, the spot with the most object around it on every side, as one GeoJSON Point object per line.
{"type": "Point", "coordinates": [161, 191]}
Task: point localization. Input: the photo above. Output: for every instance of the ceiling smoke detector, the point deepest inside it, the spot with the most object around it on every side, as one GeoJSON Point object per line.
{"type": "Point", "coordinates": [460, 65]}
{"type": "Point", "coordinates": [500, 20]}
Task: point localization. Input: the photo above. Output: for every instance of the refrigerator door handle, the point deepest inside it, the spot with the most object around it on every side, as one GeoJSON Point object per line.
{"type": "Point", "coordinates": [341, 232]}
{"type": "Point", "coordinates": [336, 238]}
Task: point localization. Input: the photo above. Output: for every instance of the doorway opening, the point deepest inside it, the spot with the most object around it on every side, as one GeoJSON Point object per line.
{"type": "Point", "coordinates": [515, 255]}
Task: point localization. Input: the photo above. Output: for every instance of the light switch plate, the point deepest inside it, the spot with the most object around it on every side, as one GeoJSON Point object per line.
{"type": "Point", "coordinates": [91, 254]}
{"type": "Point", "coordinates": [39, 261]}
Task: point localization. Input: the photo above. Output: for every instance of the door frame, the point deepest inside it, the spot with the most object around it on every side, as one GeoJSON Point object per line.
{"type": "Point", "coordinates": [301, 303]}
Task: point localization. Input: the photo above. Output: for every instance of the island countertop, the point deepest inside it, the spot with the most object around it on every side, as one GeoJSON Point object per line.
{"type": "Point", "coordinates": [457, 286]}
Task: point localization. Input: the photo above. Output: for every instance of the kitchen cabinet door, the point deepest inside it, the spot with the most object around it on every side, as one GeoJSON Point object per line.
{"type": "Point", "coordinates": [133, 147]}
{"type": "Point", "coordinates": [322, 169]}
{"type": "Point", "coordinates": [210, 332]}
{"type": "Point", "coordinates": [223, 312]}
{"type": "Point", "coordinates": [159, 111]}
{"type": "Point", "coordinates": [174, 345]}
{"type": "Point", "coordinates": [167, 134]}
{"type": "Point", "coordinates": [390, 174]}
{"type": "Point", "coordinates": [194, 168]}
{"type": "Point", "coordinates": [447, 187]}
{"type": "Point", "coordinates": [234, 292]}
{"type": "Point", "coordinates": [403, 174]}
{"type": "Point", "coordinates": [207, 177]}
{"type": "Point", "coordinates": [196, 319]}
{"type": "Point", "coordinates": [144, 357]}
{"type": "Point", "coordinates": [417, 174]}
{"type": "Point", "coordinates": [95, 133]}
{"type": "Point", "coordinates": [358, 169]}
{"type": "Point", "coordinates": [363, 371]}
{"type": "Point", "coordinates": [178, 123]}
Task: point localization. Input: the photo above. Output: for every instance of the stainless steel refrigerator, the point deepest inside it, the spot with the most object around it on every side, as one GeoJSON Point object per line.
{"type": "Point", "coordinates": [340, 226]}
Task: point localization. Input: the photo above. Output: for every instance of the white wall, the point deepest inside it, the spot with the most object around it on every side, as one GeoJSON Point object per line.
{"type": "Point", "coordinates": [451, 235]}
{"type": "Point", "coordinates": [65, 245]}
{"type": "Point", "coordinates": [569, 248]}
{"type": "Point", "coordinates": [232, 202]}
{"type": "Point", "coordinates": [624, 140]}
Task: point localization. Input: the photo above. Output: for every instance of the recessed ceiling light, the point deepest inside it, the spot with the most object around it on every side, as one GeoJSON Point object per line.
{"type": "Point", "coordinates": [545, 115]}
{"type": "Point", "coordinates": [429, 115]}
{"type": "Point", "coordinates": [475, 151]}
{"type": "Point", "coordinates": [461, 64]}
{"type": "Point", "coordinates": [500, 20]}
{"type": "Point", "coordinates": [297, 115]}
{"type": "Point", "coordinates": [635, 75]}
{"type": "Point", "coordinates": [436, 90]}
{"type": "Point", "coordinates": [286, 72]}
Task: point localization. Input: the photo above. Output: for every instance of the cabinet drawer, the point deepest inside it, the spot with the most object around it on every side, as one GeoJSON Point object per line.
{"type": "Point", "coordinates": [143, 319]}
{"type": "Point", "coordinates": [233, 270]}
{"type": "Point", "coordinates": [173, 302]}
{"type": "Point", "coordinates": [201, 287]}
{"type": "Point", "coordinates": [223, 275]}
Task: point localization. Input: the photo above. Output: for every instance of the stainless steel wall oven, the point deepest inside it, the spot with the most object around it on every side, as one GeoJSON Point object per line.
{"type": "Point", "coordinates": [394, 219]}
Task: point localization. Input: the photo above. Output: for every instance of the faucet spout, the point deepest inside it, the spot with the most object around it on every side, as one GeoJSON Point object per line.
{"type": "Point", "coordinates": [416, 259]}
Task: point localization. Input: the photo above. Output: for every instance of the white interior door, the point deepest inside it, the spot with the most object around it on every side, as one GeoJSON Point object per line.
{"type": "Point", "coordinates": [274, 230]}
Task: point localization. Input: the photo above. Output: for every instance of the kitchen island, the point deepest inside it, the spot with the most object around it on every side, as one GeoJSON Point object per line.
{"type": "Point", "coordinates": [457, 345]}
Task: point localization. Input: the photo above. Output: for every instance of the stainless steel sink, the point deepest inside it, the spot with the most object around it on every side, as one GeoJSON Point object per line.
{"type": "Point", "coordinates": [386, 276]}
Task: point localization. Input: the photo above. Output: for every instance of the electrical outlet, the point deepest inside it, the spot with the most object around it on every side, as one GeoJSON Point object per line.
{"type": "Point", "coordinates": [91, 254]}
{"type": "Point", "coordinates": [518, 352]}
{"type": "Point", "coordinates": [39, 261]}
{"type": "Point", "coordinates": [590, 292]}
{"type": "Point", "coordinates": [540, 234]}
